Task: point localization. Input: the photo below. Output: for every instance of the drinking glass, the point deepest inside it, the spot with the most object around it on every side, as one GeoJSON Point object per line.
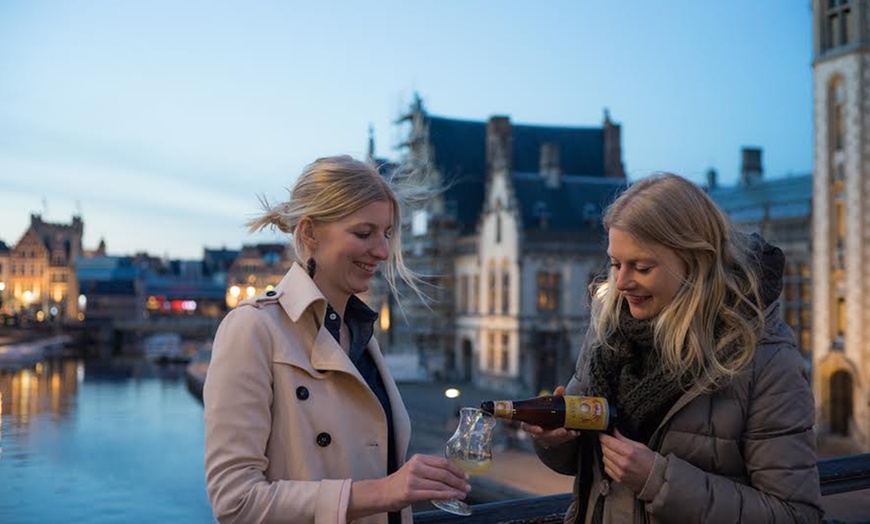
{"type": "Point", "coordinates": [470, 448]}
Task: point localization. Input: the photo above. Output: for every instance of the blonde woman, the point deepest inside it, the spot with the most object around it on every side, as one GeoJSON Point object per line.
{"type": "Point", "coordinates": [303, 421]}
{"type": "Point", "coordinates": [715, 408]}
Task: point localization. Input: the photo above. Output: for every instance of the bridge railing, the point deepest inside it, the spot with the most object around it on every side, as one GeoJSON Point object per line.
{"type": "Point", "coordinates": [836, 475]}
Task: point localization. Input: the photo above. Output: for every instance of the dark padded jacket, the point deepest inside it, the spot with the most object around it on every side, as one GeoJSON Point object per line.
{"type": "Point", "coordinates": [744, 453]}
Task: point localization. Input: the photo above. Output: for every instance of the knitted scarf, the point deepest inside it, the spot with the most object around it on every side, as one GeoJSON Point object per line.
{"type": "Point", "coordinates": [631, 376]}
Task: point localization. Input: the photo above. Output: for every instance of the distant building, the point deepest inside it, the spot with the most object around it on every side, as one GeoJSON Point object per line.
{"type": "Point", "coordinates": [4, 277]}
{"type": "Point", "coordinates": [112, 288]}
{"type": "Point", "coordinates": [509, 246]}
{"type": "Point", "coordinates": [841, 226]}
{"type": "Point", "coordinates": [217, 262]}
{"type": "Point", "coordinates": [184, 292]}
{"type": "Point", "coordinates": [41, 281]}
{"type": "Point", "coordinates": [258, 268]}
{"type": "Point", "coordinates": [780, 209]}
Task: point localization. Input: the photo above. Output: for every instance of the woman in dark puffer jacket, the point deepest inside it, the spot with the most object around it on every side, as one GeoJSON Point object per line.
{"type": "Point", "coordinates": [715, 408]}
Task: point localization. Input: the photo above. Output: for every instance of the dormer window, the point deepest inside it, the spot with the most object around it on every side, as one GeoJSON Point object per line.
{"type": "Point", "coordinates": [836, 24]}
{"type": "Point", "coordinates": [590, 212]}
{"type": "Point", "coordinates": [541, 214]}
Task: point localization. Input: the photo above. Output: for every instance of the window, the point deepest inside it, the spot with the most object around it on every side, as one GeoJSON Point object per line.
{"type": "Point", "coordinates": [419, 223]}
{"type": "Point", "coordinates": [475, 294]}
{"type": "Point", "coordinates": [841, 315]}
{"type": "Point", "coordinates": [498, 228]}
{"type": "Point", "coordinates": [490, 351]}
{"type": "Point", "coordinates": [491, 289]}
{"type": "Point", "coordinates": [806, 342]}
{"type": "Point", "coordinates": [836, 108]}
{"type": "Point", "coordinates": [837, 18]}
{"type": "Point", "coordinates": [505, 290]}
{"type": "Point", "coordinates": [505, 352]}
{"type": "Point", "coordinates": [463, 293]}
{"type": "Point", "coordinates": [548, 291]}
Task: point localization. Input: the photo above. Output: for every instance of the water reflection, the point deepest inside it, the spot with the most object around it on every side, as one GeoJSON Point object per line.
{"type": "Point", "coordinates": [49, 387]}
{"type": "Point", "coordinates": [100, 442]}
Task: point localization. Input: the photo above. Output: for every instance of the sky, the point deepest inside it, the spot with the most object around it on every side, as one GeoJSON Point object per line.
{"type": "Point", "coordinates": [161, 121]}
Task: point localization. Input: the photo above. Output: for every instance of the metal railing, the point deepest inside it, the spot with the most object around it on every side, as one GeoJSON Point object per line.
{"type": "Point", "coordinates": [836, 475]}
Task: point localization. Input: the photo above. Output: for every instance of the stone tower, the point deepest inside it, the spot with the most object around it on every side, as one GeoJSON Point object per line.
{"type": "Point", "coordinates": [841, 222]}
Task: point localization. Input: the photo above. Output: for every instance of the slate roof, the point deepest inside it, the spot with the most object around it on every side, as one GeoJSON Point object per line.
{"type": "Point", "coordinates": [459, 149]}
{"type": "Point", "coordinates": [575, 206]}
{"type": "Point", "coordinates": [105, 268]}
{"type": "Point", "coordinates": [778, 199]}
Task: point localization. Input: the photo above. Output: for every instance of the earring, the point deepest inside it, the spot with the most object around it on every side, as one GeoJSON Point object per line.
{"type": "Point", "coordinates": [312, 267]}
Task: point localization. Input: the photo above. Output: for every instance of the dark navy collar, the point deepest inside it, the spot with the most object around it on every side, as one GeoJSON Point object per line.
{"type": "Point", "coordinates": [360, 321]}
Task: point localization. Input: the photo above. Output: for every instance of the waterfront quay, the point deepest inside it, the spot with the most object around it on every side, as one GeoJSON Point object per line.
{"type": "Point", "coordinates": [121, 440]}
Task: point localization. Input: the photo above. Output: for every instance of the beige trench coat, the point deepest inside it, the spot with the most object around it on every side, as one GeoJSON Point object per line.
{"type": "Point", "coordinates": [289, 421]}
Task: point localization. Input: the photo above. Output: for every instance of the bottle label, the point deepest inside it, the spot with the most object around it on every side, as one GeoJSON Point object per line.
{"type": "Point", "coordinates": [589, 413]}
{"type": "Point", "coordinates": [503, 409]}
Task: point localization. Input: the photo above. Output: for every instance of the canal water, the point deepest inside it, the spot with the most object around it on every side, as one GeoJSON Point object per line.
{"type": "Point", "coordinates": [108, 443]}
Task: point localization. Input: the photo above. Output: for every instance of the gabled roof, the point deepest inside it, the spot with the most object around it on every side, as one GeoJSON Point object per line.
{"type": "Point", "coordinates": [776, 199]}
{"type": "Point", "coordinates": [574, 207]}
{"type": "Point", "coordinates": [459, 150]}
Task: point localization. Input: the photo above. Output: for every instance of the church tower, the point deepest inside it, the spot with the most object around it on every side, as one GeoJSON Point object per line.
{"type": "Point", "coordinates": [841, 223]}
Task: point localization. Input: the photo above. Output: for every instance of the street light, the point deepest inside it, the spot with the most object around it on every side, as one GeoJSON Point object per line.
{"type": "Point", "coordinates": [453, 394]}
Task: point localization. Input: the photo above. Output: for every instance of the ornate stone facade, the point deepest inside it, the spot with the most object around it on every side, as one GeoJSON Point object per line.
{"type": "Point", "coordinates": [841, 223]}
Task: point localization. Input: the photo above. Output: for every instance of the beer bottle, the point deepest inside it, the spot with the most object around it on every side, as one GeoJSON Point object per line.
{"type": "Point", "coordinates": [556, 411]}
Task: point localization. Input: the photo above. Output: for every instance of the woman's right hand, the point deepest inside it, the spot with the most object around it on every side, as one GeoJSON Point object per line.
{"type": "Point", "coordinates": [550, 437]}
{"type": "Point", "coordinates": [421, 478]}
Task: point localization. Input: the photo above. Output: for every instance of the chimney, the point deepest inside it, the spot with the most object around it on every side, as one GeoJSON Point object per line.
{"type": "Point", "coordinates": [499, 143]}
{"type": "Point", "coordinates": [550, 164]}
{"type": "Point", "coordinates": [750, 168]}
{"type": "Point", "coordinates": [613, 167]}
{"type": "Point", "coordinates": [712, 177]}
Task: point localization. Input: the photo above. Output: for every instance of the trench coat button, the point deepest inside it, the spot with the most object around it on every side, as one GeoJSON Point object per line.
{"type": "Point", "coordinates": [271, 293]}
{"type": "Point", "coordinates": [302, 393]}
{"type": "Point", "coordinates": [604, 487]}
{"type": "Point", "coordinates": [323, 439]}
{"type": "Point", "coordinates": [332, 316]}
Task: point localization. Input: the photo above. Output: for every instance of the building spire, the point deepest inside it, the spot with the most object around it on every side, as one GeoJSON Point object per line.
{"type": "Point", "coordinates": [371, 153]}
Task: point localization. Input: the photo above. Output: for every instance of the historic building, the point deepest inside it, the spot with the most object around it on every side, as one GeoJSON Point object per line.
{"type": "Point", "coordinates": [508, 244]}
{"type": "Point", "coordinates": [257, 269]}
{"type": "Point", "coordinates": [780, 209]}
{"type": "Point", "coordinates": [41, 280]}
{"type": "Point", "coordinates": [4, 278]}
{"type": "Point", "coordinates": [841, 225]}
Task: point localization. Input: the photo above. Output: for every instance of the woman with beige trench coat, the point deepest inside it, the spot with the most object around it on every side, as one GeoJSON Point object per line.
{"type": "Point", "coordinates": [303, 421]}
{"type": "Point", "coordinates": [715, 412]}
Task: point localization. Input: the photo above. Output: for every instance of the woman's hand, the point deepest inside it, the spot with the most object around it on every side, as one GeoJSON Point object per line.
{"type": "Point", "coordinates": [626, 461]}
{"type": "Point", "coordinates": [550, 437]}
{"type": "Point", "coordinates": [422, 477]}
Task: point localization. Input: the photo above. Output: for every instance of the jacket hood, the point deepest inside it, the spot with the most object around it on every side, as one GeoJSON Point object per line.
{"type": "Point", "coordinates": [769, 263]}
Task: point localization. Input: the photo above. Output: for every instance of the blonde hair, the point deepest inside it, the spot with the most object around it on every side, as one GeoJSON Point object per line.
{"type": "Point", "coordinates": [709, 331]}
{"type": "Point", "coordinates": [332, 188]}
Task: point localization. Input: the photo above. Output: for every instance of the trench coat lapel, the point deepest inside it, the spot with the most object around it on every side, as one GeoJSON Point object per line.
{"type": "Point", "coordinates": [326, 353]}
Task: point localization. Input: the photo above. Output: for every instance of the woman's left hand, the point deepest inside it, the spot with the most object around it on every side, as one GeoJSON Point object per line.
{"type": "Point", "coordinates": [626, 461]}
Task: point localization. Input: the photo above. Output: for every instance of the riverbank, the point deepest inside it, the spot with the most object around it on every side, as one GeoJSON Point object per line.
{"type": "Point", "coordinates": [23, 349]}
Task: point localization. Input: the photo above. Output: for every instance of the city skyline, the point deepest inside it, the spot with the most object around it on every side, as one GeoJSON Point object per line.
{"type": "Point", "coordinates": [161, 123]}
